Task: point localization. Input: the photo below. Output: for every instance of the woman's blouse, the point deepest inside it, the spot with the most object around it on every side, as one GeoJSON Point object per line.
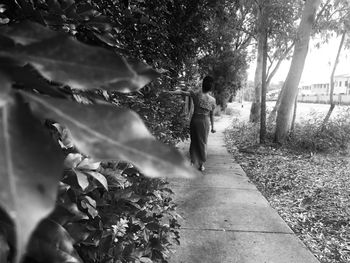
{"type": "Point", "coordinates": [203, 103]}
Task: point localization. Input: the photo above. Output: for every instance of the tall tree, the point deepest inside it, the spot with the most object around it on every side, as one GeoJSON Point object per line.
{"type": "Point", "coordinates": [281, 29]}
{"type": "Point", "coordinates": [331, 91]}
{"type": "Point", "coordinates": [285, 111]}
{"type": "Point", "coordinates": [227, 40]}
{"type": "Point", "coordinates": [323, 21]}
{"type": "Point", "coordinates": [263, 36]}
{"type": "Point", "coordinates": [338, 21]}
{"type": "Point", "coordinates": [256, 105]}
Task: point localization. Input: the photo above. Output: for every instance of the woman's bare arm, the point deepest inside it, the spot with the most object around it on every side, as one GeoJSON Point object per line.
{"type": "Point", "coordinates": [179, 92]}
{"type": "Point", "coordinates": [211, 115]}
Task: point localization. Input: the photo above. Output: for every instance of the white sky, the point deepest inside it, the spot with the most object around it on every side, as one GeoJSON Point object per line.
{"type": "Point", "coordinates": [318, 64]}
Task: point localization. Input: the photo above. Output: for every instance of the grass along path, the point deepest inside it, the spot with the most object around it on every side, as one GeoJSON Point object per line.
{"type": "Point", "coordinates": [310, 192]}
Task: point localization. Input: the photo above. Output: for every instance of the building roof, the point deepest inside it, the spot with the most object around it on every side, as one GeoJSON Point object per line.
{"type": "Point", "coordinates": [343, 75]}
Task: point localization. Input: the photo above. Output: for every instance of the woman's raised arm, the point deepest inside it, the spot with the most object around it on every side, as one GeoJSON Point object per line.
{"type": "Point", "coordinates": [179, 92]}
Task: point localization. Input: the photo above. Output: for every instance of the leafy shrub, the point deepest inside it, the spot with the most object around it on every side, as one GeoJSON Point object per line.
{"type": "Point", "coordinates": [334, 136]}
{"type": "Point", "coordinates": [231, 111]}
{"type": "Point", "coordinates": [243, 133]}
{"type": "Point", "coordinates": [307, 135]}
{"type": "Point", "coordinates": [38, 65]}
{"type": "Point", "coordinates": [115, 213]}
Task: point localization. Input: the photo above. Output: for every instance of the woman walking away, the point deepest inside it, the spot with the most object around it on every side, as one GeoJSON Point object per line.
{"type": "Point", "coordinates": [202, 119]}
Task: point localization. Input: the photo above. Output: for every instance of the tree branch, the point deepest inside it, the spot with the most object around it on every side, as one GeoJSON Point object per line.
{"type": "Point", "coordinates": [273, 72]}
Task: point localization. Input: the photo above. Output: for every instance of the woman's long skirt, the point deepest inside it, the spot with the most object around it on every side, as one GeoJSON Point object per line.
{"type": "Point", "coordinates": [199, 130]}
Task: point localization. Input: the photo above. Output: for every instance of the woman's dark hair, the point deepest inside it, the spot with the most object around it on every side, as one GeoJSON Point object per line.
{"type": "Point", "coordinates": [207, 84]}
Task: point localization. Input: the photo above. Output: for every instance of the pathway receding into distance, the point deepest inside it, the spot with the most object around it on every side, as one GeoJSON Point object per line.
{"type": "Point", "coordinates": [226, 219]}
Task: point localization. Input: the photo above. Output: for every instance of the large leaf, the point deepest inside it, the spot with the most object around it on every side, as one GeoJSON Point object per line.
{"type": "Point", "coordinates": [52, 243]}
{"type": "Point", "coordinates": [26, 77]}
{"type": "Point", "coordinates": [5, 88]}
{"type": "Point", "coordinates": [67, 211]}
{"type": "Point", "coordinates": [144, 74]}
{"type": "Point", "coordinates": [26, 33]}
{"type": "Point", "coordinates": [107, 132]}
{"type": "Point", "coordinates": [66, 60]}
{"type": "Point", "coordinates": [4, 249]}
{"type": "Point", "coordinates": [7, 237]}
{"type": "Point", "coordinates": [31, 166]}
{"type": "Point", "coordinates": [78, 231]}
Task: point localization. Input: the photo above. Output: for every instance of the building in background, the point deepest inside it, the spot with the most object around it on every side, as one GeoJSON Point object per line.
{"type": "Point", "coordinates": [319, 92]}
{"type": "Point", "coordinates": [342, 83]}
{"type": "Point", "coordinates": [341, 86]}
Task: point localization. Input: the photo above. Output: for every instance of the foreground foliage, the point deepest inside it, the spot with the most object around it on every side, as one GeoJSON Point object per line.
{"type": "Point", "coordinates": [113, 213]}
{"type": "Point", "coordinates": [40, 72]}
{"type": "Point", "coordinates": [310, 191]}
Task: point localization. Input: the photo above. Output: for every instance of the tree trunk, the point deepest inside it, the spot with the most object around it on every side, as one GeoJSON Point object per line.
{"type": "Point", "coordinates": [255, 108]}
{"type": "Point", "coordinates": [331, 100]}
{"type": "Point", "coordinates": [273, 113]}
{"type": "Point", "coordinates": [272, 116]}
{"type": "Point", "coordinates": [294, 113]}
{"type": "Point", "coordinates": [263, 80]}
{"type": "Point", "coordinates": [285, 111]}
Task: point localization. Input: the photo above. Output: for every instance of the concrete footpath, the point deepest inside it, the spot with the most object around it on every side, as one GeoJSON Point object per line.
{"type": "Point", "coordinates": [226, 219]}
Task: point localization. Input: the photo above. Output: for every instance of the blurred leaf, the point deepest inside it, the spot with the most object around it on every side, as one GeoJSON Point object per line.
{"type": "Point", "coordinates": [26, 33]}
{"type": "Point", "coordinates": [78, 231]}
{"type": "Point", "coordinates": [30, 172]}
{"type": "Point", "coordinates": [4, 249]}
{"type": "Point", "coordinates": [119, 134]}
{"type": "Point", "coordinates": [4, 89]}
{"type": "Point", "coordinates": [27, 77]}
{"type": "Point", "coordinates": [61, 215]}
{"type": "Point", "coordinates": [7, 237]}
{"type": "Point", "coordinates": [6, 42]}
{"type": "Point", "coordinates": [52, 243]}
{"type": "Point", "coordinates": [65, 60]}
{"type": "Point", "coordinates": [66, 205]}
